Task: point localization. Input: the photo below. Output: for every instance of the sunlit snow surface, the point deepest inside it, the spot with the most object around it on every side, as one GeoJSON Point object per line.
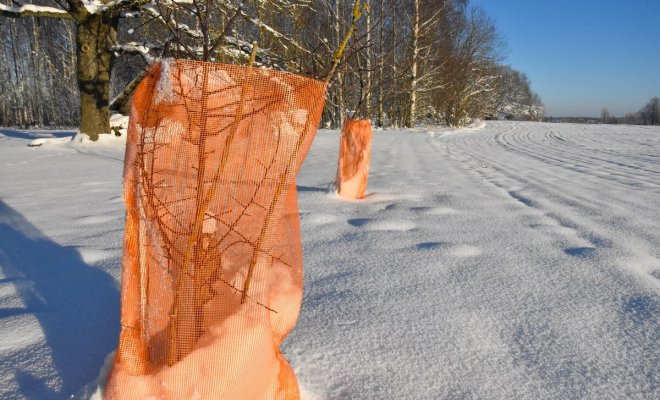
{"type": "Point", "coordinates": [515, 261]}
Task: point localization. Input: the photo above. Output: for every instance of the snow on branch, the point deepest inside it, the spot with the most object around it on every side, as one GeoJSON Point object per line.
{"type": "Point", "coordinates": [175, 26]}
{"type": "Point", "coordinates": [137, 48]}
{"type": "Point", "coordinates": [94, 6]}
{"type": "Point", "coordinates": [31, 10]}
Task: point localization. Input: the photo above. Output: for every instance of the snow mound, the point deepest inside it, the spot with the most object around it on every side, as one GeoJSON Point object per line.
{"type": "Point", "coordinates": [42, 141]}
{"type": "Point", "coordinates": [117, 137]}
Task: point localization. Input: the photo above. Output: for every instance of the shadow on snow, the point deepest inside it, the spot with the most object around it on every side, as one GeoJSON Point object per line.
{"type": "Point", "coordinates": [77, 306]}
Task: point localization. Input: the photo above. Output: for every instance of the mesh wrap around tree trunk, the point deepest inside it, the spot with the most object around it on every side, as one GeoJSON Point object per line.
{"type": "Point", "coordinates": [212, 264]}
{"type": "Point", "coordinates": [354, 158]}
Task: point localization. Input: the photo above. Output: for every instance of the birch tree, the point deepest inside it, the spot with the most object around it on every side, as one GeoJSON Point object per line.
{"type": "Point", "coordinates": [427, 18]}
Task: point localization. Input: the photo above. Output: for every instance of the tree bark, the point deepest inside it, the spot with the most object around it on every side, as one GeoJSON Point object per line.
{"type": "Point", "coordinates": [94, 63]}
{"type": "Point", "coordinates": [95, 33]}
{"type": "Point", "coordinates": [412, 111]}
{"type": "Point", "coordinates": [340, 78]}
{"type": "Point", "coordinates": [381, 64]}
{"type": "Point", "coordinates": [367, 100]}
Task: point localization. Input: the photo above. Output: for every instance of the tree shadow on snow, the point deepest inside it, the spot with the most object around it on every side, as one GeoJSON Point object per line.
{"type": "Point", "coordinates": [31, 135]}
{"type": "Point", "coordinates": [76, 305]}
{"type": "Point", "coordinates": [311, 189]}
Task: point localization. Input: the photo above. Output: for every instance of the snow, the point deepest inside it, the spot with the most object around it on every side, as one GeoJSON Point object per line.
{"type": "Point", "coordinates": [118, 123]}
{"type": "Point", "coordinates": [509, 260]}
{"type": "Point", "coordinates": [165, 88]}
{"type": "Point", "coordinates": [135, 47]}
{"type": "Point", "coordinates": [32, 9]}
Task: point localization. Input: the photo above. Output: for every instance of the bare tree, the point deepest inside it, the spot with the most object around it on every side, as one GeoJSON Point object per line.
{"type": "Point", "coordinates": [96, 29]}
{"type": "Point", "coordinates": [408, 60]}
{"type": "Point", "coordinates": [97, 24]}
{"type": "Point", "coordinates": [514, 98]}
{"type": "Point", "coordinates": [37, 78]}
{"type": "Point", "coordinates": [650, 113]}
{"type": "Point", "coordinates": [631, 118]}
{"type": "Point", "coordinates": [605, 116]}
{"type": "Point", "coordinates": [471, 71]}
{"type": "Point", "coordinates": [427, 50]}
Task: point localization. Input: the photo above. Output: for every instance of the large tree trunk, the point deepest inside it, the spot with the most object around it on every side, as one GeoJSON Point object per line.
{"type": "Point", "coordinates": [94, 34]}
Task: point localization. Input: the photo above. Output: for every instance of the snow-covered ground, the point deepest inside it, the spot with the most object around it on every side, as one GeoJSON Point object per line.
{"type": "Point", "coordinates": [515, 261]}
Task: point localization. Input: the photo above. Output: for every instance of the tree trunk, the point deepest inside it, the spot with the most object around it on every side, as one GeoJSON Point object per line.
{"type": "Point", "coordinates": [340, 78]}
{"type": "Point", "coordinates": [381, 64]}
{"type": "Point", "coordinates": [367, 100]}
{"type": "Point", "coordinates": [38, 62]}
{"type": "Point", "coordinates": [94, 34]}
{"type": "Point", "coordinates": [412, 111]}
{"type": "Point", "coordinates": [19, 103]}
{"type": "Point", "coordinates": [395, 87]}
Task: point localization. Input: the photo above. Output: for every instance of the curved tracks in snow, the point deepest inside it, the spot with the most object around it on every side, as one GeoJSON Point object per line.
{"type": "Point", "coordinates": [601, 181]}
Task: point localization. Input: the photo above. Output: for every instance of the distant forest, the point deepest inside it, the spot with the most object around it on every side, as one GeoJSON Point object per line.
{"type": "Point", "coordinates": [407, 62]}
{"type": "Point", "coordinates": [647, 115]}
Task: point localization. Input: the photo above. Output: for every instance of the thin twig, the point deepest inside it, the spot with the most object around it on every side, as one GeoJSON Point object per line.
{"type": "Point", "coordinates": [358, 9]}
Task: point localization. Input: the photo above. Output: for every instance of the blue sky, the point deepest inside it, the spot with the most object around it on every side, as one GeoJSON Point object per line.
{"type": "Point", "coordinates": [583, 55]}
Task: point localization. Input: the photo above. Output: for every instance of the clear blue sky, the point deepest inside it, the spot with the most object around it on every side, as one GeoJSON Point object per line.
{"type": "Point", "coordinates": [583, 55]}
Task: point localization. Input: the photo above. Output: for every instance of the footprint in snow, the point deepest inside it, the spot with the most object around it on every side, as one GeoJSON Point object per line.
{"type": "Point", "coordinates": [430, 245]}
{"type": "Point", "coordinates": [581, 252]}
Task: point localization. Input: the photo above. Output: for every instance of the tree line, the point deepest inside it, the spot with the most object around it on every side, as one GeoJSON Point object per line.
{"type": "Point", "coordinates": [647, 115]}
{"type": "Point", "coordinates": [72, 62]}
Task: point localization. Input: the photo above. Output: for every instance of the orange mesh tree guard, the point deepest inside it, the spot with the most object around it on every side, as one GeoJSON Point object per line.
{"type": "Point", "coordinates": [212, 264]}
{"type": "Point", "coordinates": [354, 158]}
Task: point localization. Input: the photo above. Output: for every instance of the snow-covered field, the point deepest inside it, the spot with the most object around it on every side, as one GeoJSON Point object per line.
{"type": "Point", "coordinates": [515, 261]}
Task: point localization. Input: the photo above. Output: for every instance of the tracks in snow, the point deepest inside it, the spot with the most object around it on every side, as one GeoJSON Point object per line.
{"type": "Point", "coordinates": [599, 185]}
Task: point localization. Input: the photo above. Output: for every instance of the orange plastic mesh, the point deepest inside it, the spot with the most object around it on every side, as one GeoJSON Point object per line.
{"type": "Point", "coordinates": [212, 264]}
{"type": "Point", "coordinates": [354, 158]}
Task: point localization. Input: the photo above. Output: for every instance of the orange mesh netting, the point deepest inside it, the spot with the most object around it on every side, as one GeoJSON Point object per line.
{"type": "Point", "coordinates": [212, 264]}
{"type": "Point", "coordinates": [354, 158]}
